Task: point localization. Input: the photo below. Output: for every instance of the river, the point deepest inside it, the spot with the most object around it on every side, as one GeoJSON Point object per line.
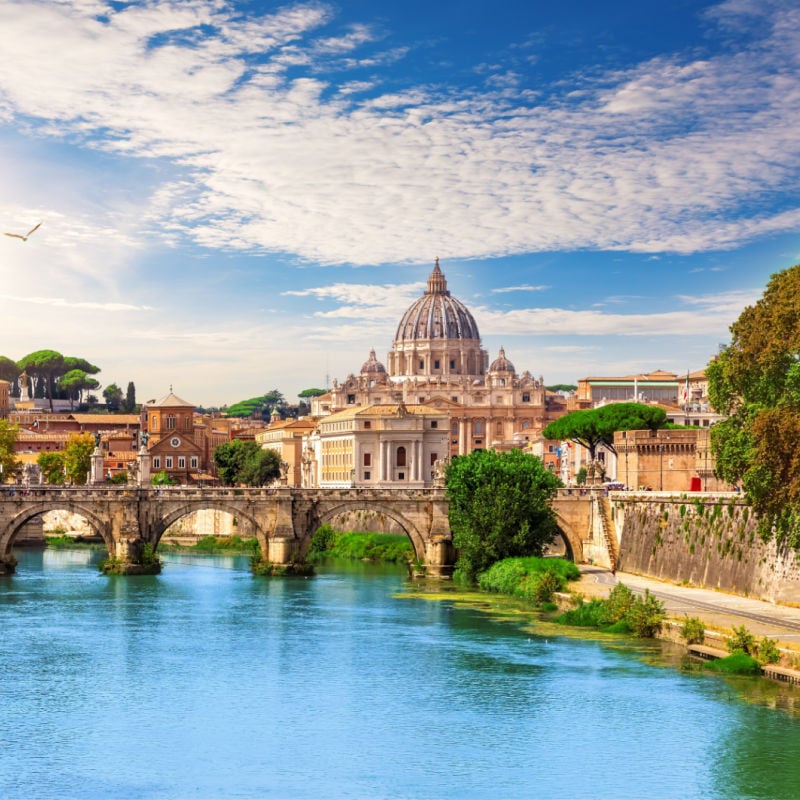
{"type": "Point", "coordinates": [204, 682]}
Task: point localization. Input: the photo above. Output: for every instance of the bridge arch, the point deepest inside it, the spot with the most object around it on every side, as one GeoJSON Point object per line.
{"type": "Point", "coordinates": [572, 541]}
{"type": "Point", "coordinates": [163, 522]}
{"type": "Point", "coordinates": [325, 515]}
{"type": "Point", "coordinates": [14, 525]}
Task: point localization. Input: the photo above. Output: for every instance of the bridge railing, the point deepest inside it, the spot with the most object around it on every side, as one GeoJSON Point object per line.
{"type": "Point", "coordinates": [218, 492]}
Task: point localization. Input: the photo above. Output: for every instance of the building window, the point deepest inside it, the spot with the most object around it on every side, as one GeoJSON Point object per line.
{"type": "Point", "coordinates": [454, 428]}
{"type": "Point", "coordinates": [367, 476]}
{"type": "Point", "coordinates": [454, 399]}
{"type": "Point", "coordinates": [168, 462]}
{"type": "Point", "coordinates": [401, 457]}
{"type": "Point", "coordinates": [477, 428]}
{"type": "Point", "coordinates": [526, 397]}
{"type": "Point", "coordinates": [421, 364]}
{"type": "Point", "coordinates": [436, 363]}
{"type": "Point", "coordinates": [156, 462]}
{"type": "Point", "coordinates": [434, 423]}
{"type": "Point", "coordinates": [351, 399]}
{"type": "Point", "coordinates": [170, 422]}
{"type": "Point", "coordinates": [181, 462]}
{"type": "Point", "coordinates": [194, 463]}
{"type": "Point", "coordinates": [154, 422]}
{"type": "Point", "coordinates": [452, 363]}
{"type": "Point", "coordinates": [526, 423]}
{"type": "Point", "coordinates": [367, 425]}
{"type": "Point", "coordinates": [499, 428]}
{"type": "Point", "coordinates": [367, 459]}
{"type": "Point", "coordinates": [401, 476]}
{"type": "Point", "coordinates": [434, 458]}
{"type": "Point", "coordinates": [187, 423]}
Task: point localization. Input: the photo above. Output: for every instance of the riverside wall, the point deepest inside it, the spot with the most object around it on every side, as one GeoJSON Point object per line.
{"type": "Point", "coordinates": [706, 540]}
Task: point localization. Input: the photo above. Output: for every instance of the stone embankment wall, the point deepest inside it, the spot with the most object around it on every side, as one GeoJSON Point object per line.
{"type": "Point", "coordinates": [708, 541]}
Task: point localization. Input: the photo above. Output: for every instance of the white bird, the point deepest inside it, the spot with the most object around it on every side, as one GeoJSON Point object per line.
{"type": "Point", "coordinates": [21, 236]}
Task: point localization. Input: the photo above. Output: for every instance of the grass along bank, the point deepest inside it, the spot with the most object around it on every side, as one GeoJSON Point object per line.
{"type": "Point", "coordinates": [213, 545]}
{"type": "Point", "coordinates": [385, 547]}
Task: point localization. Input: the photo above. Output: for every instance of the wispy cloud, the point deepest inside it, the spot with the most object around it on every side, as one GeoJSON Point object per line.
{"type": "Point", "coordinates": [522, 288]}
{"type": "Point", "coordinates": [61, 302]}
{"type": "Point", "coordinates": [670, 155]}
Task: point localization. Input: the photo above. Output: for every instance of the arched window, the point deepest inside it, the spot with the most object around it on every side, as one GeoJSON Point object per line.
{"type": "Point", "coordinates": [401, 456]}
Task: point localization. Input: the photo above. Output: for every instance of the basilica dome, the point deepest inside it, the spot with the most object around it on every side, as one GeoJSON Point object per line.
{"type": "Point", "coordinates": [437, 315]}
{"type": "Point", "coordinates": [372, 366]}
{"type": "Point", "coordinates": [501, 363]}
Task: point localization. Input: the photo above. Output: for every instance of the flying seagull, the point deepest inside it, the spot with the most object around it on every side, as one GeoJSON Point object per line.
{"type": "Point", "coordinates": [25, 237]}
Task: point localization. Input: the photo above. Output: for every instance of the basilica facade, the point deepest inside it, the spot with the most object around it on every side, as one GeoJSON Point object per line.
{"type": "Point", "coordinates": [437, 360]}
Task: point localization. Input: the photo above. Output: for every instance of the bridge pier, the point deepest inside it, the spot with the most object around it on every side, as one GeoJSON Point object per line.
{"type": "Point", "coordinates": [439, 558]}
{"type": "Point", "coordinates": [8, 565]}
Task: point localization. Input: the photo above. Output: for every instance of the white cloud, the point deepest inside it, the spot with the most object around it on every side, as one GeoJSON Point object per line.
{"type": "Point", "coordinates": [521, 288]}
{"type": "Point", "coordinates": [61, 302]}
{"type": "Point", "coordinates": [671, 155]}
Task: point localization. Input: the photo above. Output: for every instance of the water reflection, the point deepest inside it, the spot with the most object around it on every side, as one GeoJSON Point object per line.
{"type": "Point", "coordinates": [206, 682]}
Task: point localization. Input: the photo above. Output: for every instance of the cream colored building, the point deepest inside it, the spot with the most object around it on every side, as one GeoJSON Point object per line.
{"type": "Point", "coordinates": [286, 437]}
{"type": "Point", "coordinates": [381, 446]}
{"type": "Point", "coordinates": [437, 360]}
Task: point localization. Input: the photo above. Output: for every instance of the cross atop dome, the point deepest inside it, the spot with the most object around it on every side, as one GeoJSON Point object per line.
{"type": "Point", "coordinates": [436, 281]}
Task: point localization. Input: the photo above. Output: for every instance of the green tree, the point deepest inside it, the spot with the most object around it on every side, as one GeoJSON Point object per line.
{"type": "Point", "coordinates": [52, 467]}
{"type": "Point", "coordinates": [245, 462]}
{"type": "Point", "coordinates": [499, 508]}
{"type": "Point", "coordinates": [161, 479]}
{"type": "Point", "coordinates": [755, 380]}
{"type": "Point", "coordinates": [113, 397]}
{"type": "Point", "coordinates": [75, 383]}
{"type": "Point", "coordinates": [45, 366]}
{"type": "Point", "coordinates": [596, 426]}
{"type": "Point", "coordinates": [130, 399]}
{"type": "Point", "coordinates": [260, 467]}
{"type": "Point", "coordinates": [9, 371]}
{"type": "Point", "coordinates": [8, 460]}
{"type": "Point", "coordinates": [308, 393]}
{"type": "Point", "coordinates": [77, 457]}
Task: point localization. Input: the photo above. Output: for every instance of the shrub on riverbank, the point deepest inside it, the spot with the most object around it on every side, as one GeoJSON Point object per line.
{"type": "Point", "coordinates": [621, 612]}
{"type": "Point", "coordinates": [737, 663]}
{"type": "Point", "coordinates": [213, 544]}
{"type": "Point", "coordinates": [391, 547]}
{"type": "Point", "coordinates": [530, 578]}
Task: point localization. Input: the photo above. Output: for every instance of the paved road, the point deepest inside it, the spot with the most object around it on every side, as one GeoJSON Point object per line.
{"type": "Point", "coordinates": [716, 608]}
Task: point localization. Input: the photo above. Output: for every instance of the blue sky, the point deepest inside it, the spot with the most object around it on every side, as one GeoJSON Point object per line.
{"type": "Point", "coordinates": [240, 196]}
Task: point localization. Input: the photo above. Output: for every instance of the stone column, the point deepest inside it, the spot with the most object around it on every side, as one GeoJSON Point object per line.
{"type": "Point", "coordinates": [413, 455]}
{"type": "Point", "coordinates": [462, 437]}
{"type": "Point", "coordinates": [96, 476]}
{"type": "Point", "coordinates": [143, 473]}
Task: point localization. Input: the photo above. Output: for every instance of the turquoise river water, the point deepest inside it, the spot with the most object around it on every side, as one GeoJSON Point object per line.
{"type": "Point", "coordinates": [205, 682]}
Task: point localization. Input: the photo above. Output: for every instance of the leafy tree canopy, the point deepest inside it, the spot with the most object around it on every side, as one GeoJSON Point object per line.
{"type": "Point", "coordinates": [561, 387]}
{"type": "Point", "coordinates": [8, 459]}
{"type": "Point", "coordinates": [113, 397]}
{"type": "Point", "coordinates": [77, 457]}
{"type": "Point", "coordinates": [245, 462]}
{"type": "Point", "coordinates": [596, 426]}
{"type": "Point", "coordinates": [311, 393]}
{"type": "Point", "coordinates": [756, 381]}
{"type": "Point", "coordinates": [499, 508]}
{"type": "Point", "coordinates": [257, 406]}
{"type": "Point", "coordinates": [9, 371]}
{"type": "Point", "coordinates": [52, 467]}
{"type": "Point", "coordinates": [161, 479]}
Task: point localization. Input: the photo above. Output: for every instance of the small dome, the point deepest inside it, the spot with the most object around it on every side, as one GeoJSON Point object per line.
{"type": "Point", "coordinates": [372, 366]}
{"type": "Point", "coordinates": [501, 363]}
{"type": "Point", "coordinates": [437, 315]}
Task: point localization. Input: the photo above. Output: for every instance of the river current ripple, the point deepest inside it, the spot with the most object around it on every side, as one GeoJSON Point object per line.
{"type": "Point", "coordinates": [205, 682]}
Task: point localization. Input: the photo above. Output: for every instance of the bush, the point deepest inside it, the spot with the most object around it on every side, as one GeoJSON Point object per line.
{"type": "Point", "coordinates": [768, 652]}
{"type": "Point", "coordinates": [619, 603]}
{"type": "Point", "coordinates": [585, 615]}
{"type": "Point", "coordinates": [530, 578]}
{"type": "Point", "coordinates": [645, 616]}
{"type": "Point", "coordinates": [693, 631]}
{"type": "Point", "coordinates": [741, 640]}
{"type": "Point", "coordinates": [737, 663]}
{"type": "Point", "coordinates": [323, 539]}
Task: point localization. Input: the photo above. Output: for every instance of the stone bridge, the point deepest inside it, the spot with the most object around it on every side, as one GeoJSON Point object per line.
{"type": "Point", "coordinates": [282, 519]}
